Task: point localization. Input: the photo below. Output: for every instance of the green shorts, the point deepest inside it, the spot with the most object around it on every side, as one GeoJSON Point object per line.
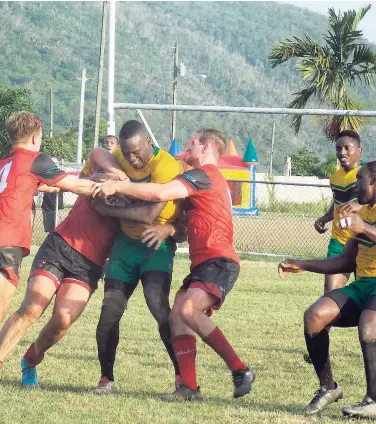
{"type": "Point", "coordinates": [130, 258]}
{"type": "Point", "coordinates": [359, 291]}
{"type": "Point", "coordinates": [335, 248]}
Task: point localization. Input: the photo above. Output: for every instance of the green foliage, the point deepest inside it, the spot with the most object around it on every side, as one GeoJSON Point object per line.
{"type": "Point", "coordinates": [330, 69]}
{"type": "Point", "coordinates": [62, 146]}
{"type": "Point", "coordinates": [304, 162]}
{"type": "Point", "coordinates": [326, 168]}
{"type": "Point", "coordinates": [11, 101]}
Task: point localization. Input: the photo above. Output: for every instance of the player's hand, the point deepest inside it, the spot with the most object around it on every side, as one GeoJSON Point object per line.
{"type": "Point", "coordinates": [320, 225]}
{"type": "Point", "coordinates": [352, 221]}
{"type": "Point", "coordinates": [154, 235]}
{"type": "Point", "coordinates": [288, 266]}
{"type": "Point", "coordinates": [348, 207]}
{"type": "Point", "coordinates": [108, 188]}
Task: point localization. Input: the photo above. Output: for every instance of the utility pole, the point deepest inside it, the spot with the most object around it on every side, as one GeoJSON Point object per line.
{"type": "Point", "coordinates": [51, 113]}
{"type": "Point", "coordinates": [111, 69]}
{"type": "Point", "coordinates": [271, 152]}
{"type": "Point", "coordinates": [174, 89]}
{"type": "Point", "coordinates": [100, 73]}
{"type": "Point", "coordinates": [81, 121]}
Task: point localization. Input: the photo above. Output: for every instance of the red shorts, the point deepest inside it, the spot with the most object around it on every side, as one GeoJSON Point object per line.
{"type": "Point", "coordinates": [61, 263]}
{"type": "Point", "coordinates": [10, 263]}
{"type": "Point", "coordinates": [215, 276]}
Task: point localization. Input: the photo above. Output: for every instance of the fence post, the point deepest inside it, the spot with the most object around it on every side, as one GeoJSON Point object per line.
{"type": "Point", "coordinates": [56, 209]}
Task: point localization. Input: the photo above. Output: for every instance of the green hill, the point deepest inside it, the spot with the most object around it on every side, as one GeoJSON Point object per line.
{"type": "Point", "coordinates": [46, 44]}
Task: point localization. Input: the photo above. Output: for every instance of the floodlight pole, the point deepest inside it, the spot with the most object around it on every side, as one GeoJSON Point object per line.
{"type": "Point", "coordinates": [174, 89]}
{"type": "Point", "coordinates": [111, 70]}
{"type": "Point", "coordinates": [81, 121]}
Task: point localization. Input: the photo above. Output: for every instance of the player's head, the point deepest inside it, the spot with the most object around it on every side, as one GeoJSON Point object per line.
{"type": "Point", "coordinates": [25, 128]}
{"type": "Point", "coordinates": [348, 149]}
{"type": "Point", "coordinates": [206, 144]}
{"type": "Point", "coordinates": [366, 183]}
{"type": "Point", "coordinates": [135, 144]}
{"type": "Point", "coordinates": [111, 143]}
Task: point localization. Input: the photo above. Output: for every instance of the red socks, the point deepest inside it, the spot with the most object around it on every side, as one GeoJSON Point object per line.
{"type": "Point", "coordinates": [185, 352]}
{"type": "Point", "coordinates": [32, 358]}
{"type": "Point", "coordinates": [218, 342]}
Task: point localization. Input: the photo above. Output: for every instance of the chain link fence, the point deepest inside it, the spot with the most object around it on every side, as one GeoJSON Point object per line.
{"type": "Point", "coordinates": [283, 227]}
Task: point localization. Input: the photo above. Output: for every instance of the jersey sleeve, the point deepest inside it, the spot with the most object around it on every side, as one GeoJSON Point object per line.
{"type": "Point", "coordinates": [46, 170]}
{"type": "Point", "coordinates": [195, 180]}
{"type": "Point", "coordinates": [86, 170]}
{"type": "Point", "coordinates": [165, 171]}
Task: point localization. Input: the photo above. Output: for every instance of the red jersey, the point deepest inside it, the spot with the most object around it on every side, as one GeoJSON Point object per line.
{"type": "Point", "coordinates": [20, 175]}
{"type": "Point", "coordinates": [88, 232]}
{"type": "Point", "coordinates": [209, 215]}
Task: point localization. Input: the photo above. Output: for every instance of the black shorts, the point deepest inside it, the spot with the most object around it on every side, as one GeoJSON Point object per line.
{"type": "Point", "coordinates": [10, 263]}
{"type": "Point", "coordinates": [215, 276]}
{"type": "Point", "coordinates": [57, 260]}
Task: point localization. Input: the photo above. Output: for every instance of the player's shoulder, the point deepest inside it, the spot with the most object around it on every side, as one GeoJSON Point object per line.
{"type": "Point", "coordinates": [163, 162]}
{"type": "Point", "coordinates": [162, 156]}
{"type": "Point", "coordinates": [337, 176]}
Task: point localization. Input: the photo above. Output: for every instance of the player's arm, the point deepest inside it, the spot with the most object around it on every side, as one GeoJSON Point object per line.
{"type": "Point", "coordinates": [100, 158]}
{"type": "Point", "coordinates": [50, 174]}
{"type": "Point", "coordinates": [352, 221]}
{"type": "Point", "coordinates": [44, 188]}
{"type": "Point", "coordinates": [143, 212]}
{"type": "Point", "coordinates": [320, 223]}
{"type": "Point", "coordinates": [344, 263]}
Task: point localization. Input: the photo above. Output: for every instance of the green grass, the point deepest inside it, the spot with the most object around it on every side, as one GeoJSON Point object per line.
{"type": "Point", "coordinates": [262, 318]}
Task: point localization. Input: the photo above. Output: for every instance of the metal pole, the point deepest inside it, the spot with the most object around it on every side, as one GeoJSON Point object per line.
{"type": "Point", "coordinates": [100, 73]}
{"type": "Point", "coordinates": [141, 115]}
{"type": "Point", "coordinates": [111, 70]}
{"type": "Point", "coordinates": [56, 209]}
{"type": "Point", "coordinates": [51, 113]}
{"type": "Point", "coordinates": [241, 109]}
{"type": "Point", "coordinates": [174, 89]}
{"type": "Point", "coordinates": [81, 121]}
{"type": "Point", "coordinates": [271, 152]}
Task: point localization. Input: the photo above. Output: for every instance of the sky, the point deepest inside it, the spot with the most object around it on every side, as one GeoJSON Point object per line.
{"type": "Point", "coordinates": [368, 24]}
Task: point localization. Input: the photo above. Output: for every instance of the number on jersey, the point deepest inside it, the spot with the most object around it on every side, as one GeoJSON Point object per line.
{"type": "Point", "coordinates": [4, 172]}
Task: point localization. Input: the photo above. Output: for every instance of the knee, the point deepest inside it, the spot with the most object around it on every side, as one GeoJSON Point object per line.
{"type": "Point", "coordinates": [62, 321]}
{"type": "Point", "coordinates": [315, 319]}
{"type": "Point", "coordinates": [186, 312]}
{"type": "Point", "coordinates": [367, 333]}
{"type": "Point", "coordinates": [30, 313]}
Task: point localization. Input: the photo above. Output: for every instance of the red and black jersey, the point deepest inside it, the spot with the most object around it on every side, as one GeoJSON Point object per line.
{"type": "Point", "coordinates": [209, 215]}
{"type": "Point", "coordinates": [20, 175]}
{"type": "Point", "coordinates": [88, 232]}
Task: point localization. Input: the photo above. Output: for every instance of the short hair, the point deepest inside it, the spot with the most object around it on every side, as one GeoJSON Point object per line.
{"type": "Point", "coordinates": [216, 137]}
{"type": "Point", "coordinates": [349, 133]}
{"type": "Point", "coordinates": [371, 168]}
{"type": "Point", "coordinates": [23, 124]}
{"type": "Point", "coordinates": [113, 136]}
{"type": "Point", "coordinates": [131, 129]}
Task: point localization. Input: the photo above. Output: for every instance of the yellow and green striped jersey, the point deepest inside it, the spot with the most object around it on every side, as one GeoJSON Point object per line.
{"type": "Point", "coordinates": [366, 259]}
{"type": "Point", "coordinates": [343, 185]}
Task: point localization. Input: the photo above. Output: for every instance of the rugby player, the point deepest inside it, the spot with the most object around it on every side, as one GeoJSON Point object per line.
{"type": "Point", "coordinates": [215, 264]}
{"type": "Point", "coordinates": [349, 306]}
{"type": "Point", "coordinates": [22, 172]}
{"type": "Point", "coordinates": [132, 260]}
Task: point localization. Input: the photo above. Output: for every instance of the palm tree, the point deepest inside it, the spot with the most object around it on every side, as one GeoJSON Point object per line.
{"type": "Point", "coordinates": [329, 70]}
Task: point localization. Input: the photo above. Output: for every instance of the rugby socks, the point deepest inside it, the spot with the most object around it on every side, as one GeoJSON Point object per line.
{"type": "Point", "coordinates": [369, 355]}
{"type": "Point", "coordinates": [318, 349]}
{"type": "Point", "coordinates": [185, 353]}
{"type": "Point", "coordinates": [165, 334]}
{"type": "Point", "coordinates": [218, 342]}
{"type": "Point", "coordinates": [32, 358]}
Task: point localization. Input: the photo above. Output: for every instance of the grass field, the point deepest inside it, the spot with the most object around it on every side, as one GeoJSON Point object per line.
{"type": "Point", "coordinates": [263, 319]}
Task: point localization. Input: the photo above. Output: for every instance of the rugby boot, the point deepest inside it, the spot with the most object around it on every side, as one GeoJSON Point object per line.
{"type": "Point", "coordinates": [243, 380]}
{"type": "Point", "coordinates": [364, 409]}
{"type": "Point", "coordinates": [105, 386]}
{"type": "Point", "coordinates": [183, 393]}
{"type": "Point", "coordinates": [323, 398]}
{"type": "Point", "coordinates": [29, 375]}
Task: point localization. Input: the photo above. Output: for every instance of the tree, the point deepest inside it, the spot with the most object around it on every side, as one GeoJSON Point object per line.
{"type": "Point", "coordinates": [330, 69]}
{"type": "Point", "coordinates": [11, 101]}
{"type": "Point", "coordinates": [326, 168]}
{"type": "Point", "coordinates": [62, 145]}
{"type": "Point", "coordinates": [303, 162]}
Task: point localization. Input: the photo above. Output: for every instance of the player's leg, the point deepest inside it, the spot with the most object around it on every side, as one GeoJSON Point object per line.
{"type": "Point", "coordinates": [39, 292]}
{"type": "Point", "coordinates": [10, 263]}
{"type": "Point", "coordinates": [156, 286]}
{"type": "Point", "coordinates": [334, 309]}
{"type": "Point", "coordinates": [335, 281]}
{"type": "Point", "coordinates": [367, 337]}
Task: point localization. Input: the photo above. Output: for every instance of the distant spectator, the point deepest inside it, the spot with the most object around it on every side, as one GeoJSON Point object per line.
{"type": "Point", "coordinates": [111, 143]}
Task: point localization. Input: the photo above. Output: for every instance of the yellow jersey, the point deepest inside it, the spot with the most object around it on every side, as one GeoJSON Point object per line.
{"type": "Point", "coordinates": [161, 168]}
{"type": "Point", "coordinates": [366, 259]}
{"type": "Point", "coordinates": [343, 185]}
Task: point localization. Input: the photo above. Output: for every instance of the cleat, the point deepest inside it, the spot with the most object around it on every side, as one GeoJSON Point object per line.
{"type": "Point", "coordinates": [323, 398]}
{"type": "Point", "coordinates": [29, 375]}
{"type": "Point", "coordinates": [105, 386]}
{"type": "Point", "coordinates": [243, 380]}
{"type": "Point", "coordinates": [183, 393]}
{"type": "Point", "coordinates": [307, 358]}
{"type": "Point", "coordinates": [364, 409]}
